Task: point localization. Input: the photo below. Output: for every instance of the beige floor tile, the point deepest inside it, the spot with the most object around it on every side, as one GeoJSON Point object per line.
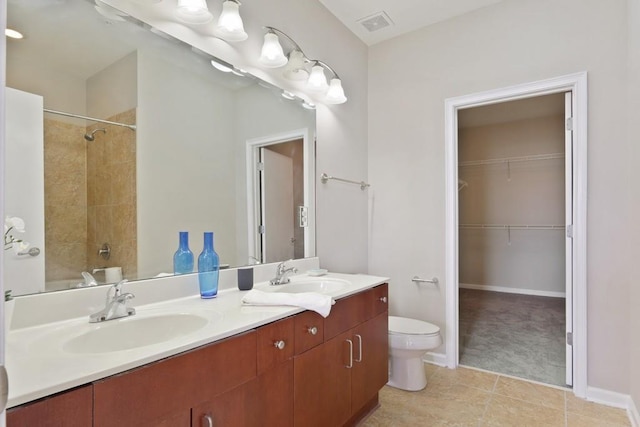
{"type": "Point", "coordinates": [504, 411]}
{"type": "Point", "coordinates": [469, 377]}
{"type": "Point", "coordinates": [451, 404]}
{"type": "Point", "coordinates": [530, 392]}
{"type": "Point", "coordinates": [575, 420]}
{"type": "Point", "coordinates": [431, 369]}
{"type": "Point", "coordinates": [594, 410]}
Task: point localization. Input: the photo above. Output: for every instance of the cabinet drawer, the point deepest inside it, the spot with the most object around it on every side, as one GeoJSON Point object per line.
{"type": "Point", "coordinates": [71, 408]}
{"type": "Point", "coordinates": [346, 313]}
{"type": "Point", "coordinates": [275, 343]}
{"type": "Point", "coordinates": [309, 331]}
{"type": "Point", "coordinates": [141, 396]}
{"type": "Point", "coordinates": [378, 300]}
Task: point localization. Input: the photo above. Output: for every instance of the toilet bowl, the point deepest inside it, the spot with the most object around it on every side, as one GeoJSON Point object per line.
{"type": "Point", "coordinates": [409, 340]}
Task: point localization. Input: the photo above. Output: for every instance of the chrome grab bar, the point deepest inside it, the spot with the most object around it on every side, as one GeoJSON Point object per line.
{"type": "Point", "coordinates": [433, 280]}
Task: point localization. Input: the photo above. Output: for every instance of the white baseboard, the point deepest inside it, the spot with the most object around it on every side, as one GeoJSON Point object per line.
{"type": "Point", "coordinates": [513, 290]}
{"type": "Point", "coordinates": [634, 415]}
{"type": "Point", "coordinates": [616, 400]}
{"type": "Point", "coordinates": [435, 358]}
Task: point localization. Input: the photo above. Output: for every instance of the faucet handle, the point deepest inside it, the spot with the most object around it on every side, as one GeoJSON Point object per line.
{"type": "Point", "coordinates": [117, 289]}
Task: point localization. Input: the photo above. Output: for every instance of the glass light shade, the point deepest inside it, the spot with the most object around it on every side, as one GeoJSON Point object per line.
{"type": "Point", "coordinates": [295, 68]}
{"type": "Point", "coordinates": [193, 12]}
{"type": "Point", "coordinates": [335, 94]}
{"type": "Point", "coordinates": [220, 66]}
{"type": "Point", "coordinates": [13, 34]}
{"type": "Point", "coordinates": [230, 26]}
{"type": "Point", "coordinates": [272, 54]}
{"type": "Point", "coordinates": [317, 80]}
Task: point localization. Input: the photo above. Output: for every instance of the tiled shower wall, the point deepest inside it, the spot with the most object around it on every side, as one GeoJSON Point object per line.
{"type": "Point", "coordinates": [111, 196]}
{"type": "Point", "coordinates": [90, 199]}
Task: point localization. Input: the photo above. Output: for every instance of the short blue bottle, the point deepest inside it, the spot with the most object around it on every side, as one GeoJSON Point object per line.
{"type": "Point", "coordinates": [208, 268]}
{"type": "Point", "coordinates": [183, 258]}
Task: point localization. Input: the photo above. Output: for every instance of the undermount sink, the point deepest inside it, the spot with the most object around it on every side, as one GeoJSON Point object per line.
{"type": "Point", "coordinates": [322, 286]}
{"type": "Point", "coordinates": [132, 332]}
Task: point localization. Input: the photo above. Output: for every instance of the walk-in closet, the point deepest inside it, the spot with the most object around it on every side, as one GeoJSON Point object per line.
{"type": "Point", "coordinates": [512, 244]}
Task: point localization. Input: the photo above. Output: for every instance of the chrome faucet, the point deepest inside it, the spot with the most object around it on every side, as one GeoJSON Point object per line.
{"type": "Point", "coordinates": [281, 274]}
{"type": "Point", "coordinates": [116, 305]}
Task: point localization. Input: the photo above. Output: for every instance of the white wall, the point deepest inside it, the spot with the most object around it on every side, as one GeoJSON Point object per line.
{"type": "Point", "coordinates": [520, 193]}
{"type": "Point", "coordinates": [175, 146]}
{"type": "Point", "coordinates": [510, 43]}
{"type": "Point", "coordinates": [634, 206]}
{"type": "Point", "coordinates": [113, 90]}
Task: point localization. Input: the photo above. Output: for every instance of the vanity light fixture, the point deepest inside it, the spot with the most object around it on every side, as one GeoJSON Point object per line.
{"type": "Point", "coordinates": [309, 105]}
{"type": "Point", "coordinates": [299, 67]}
{"type": "Point", "coordinates": [288, 95]}
{"type": "Point", "coordinates": [226, 68]}
{"type": "Point", "coordinates": [230, 26]}
{"type": "Point", "coordinates": [193, 12]}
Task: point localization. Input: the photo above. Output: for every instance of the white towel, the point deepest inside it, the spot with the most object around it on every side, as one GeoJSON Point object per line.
{"type": "Point", "coordinates": [319, 303]}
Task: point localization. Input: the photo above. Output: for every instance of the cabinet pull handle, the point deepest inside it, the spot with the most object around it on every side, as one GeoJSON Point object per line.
{"type": "Point", "coordinates": [207, 421]}
{"type": "Point", "coordinates": [313, 330]}
{"type": "Point", "coordinates": [280, 344]}
{"type": "Point", "coordinates": [383, 299]}
{"type": "Point", "coordinates": [359, 359]}
{"type": "Point", "coordinates": [350, 365]}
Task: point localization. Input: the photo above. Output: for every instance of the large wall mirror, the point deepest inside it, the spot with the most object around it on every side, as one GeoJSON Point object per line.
{"type": "Point", "coordinates": [97, 195]}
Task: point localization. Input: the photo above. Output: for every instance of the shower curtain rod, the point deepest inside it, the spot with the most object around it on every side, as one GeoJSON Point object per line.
{"type": "Point", "coordinates": [62, 113]}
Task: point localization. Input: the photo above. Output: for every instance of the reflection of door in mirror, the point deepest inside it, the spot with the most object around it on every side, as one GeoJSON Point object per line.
{"type": "Point", "coordinates": [277, 203]}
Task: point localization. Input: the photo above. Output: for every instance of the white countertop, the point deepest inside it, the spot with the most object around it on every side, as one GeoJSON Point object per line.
{"type": "Point", "coordinates": [38, 366]}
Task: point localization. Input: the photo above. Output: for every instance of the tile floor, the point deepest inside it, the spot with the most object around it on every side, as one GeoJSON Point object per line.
{"type": "Point", "coordinates": [468, 397]}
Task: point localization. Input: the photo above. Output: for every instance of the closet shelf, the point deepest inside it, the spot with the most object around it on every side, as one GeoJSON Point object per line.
{"type": "Point", "coordinates": [511, 227]}
{"type": "Point", "coordinates": [513, 159]}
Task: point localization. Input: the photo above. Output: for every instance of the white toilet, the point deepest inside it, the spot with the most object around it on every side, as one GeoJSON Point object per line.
{"type": "Point", "coordinates": [409, 340]}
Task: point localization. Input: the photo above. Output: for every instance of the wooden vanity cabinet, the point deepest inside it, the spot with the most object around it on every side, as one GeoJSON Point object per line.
{"type": "Point", "coordinates": [168, 389]}
{"type": "Point", "coordinates": [337, 383]}
{"type": "Point", "coordinates": [69, 409]}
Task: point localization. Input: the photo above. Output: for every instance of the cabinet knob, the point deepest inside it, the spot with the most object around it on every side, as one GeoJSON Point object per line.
{"type": "Point", "coordinates": [280, 344]}
{"type": "Point", "coordinates": [313, 330]}
{"type": "Point", "coordinates": [383, 299]}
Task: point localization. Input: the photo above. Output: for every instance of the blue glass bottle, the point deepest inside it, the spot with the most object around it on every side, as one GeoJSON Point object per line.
{"type": "Point", "coordinates": [208, 268]}
{"type": "Point", "coordinates": [183, 258]}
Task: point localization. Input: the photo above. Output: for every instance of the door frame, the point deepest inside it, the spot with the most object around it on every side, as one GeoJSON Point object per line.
{"type": "Point", "coordinates": [577, 84]}
{"type": "Point", "coordinates": [253, 204]}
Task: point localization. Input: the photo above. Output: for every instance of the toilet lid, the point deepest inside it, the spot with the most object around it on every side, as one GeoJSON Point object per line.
{"type": "Point", "coordinates": [403, 325]}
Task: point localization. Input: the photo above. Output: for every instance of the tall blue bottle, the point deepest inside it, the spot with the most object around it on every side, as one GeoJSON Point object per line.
{"type": "Point", "coordinates": [208, 268]}
{"type": "Point", "coordinates": [183, 258]}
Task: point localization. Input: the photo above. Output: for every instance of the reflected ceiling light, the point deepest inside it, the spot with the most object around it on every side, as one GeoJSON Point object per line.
{"type": "Point", "coordinates": [300, 67]}
{"type": "Point", "coordinates": [288, 95]}
{"type": "Point", "coordinates": [193, 12]}
{"type": "Point", "coordinates": [13, 34]}
{"type": "Point", "coordinates": [230, 26]}
{"type": "Point", "coordinates": [272, 55]}
{"type": "Point", "coordinates": [309, 105]}
{"type": "Point", "coordinates": [221, 66]}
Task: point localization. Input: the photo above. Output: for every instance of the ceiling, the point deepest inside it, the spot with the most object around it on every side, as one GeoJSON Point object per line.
{"type": "Point", "coordinates": [402, 16]}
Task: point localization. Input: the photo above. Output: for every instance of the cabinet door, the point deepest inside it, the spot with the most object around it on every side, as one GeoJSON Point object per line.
{"type": "Point", "coordinates": [227, 409]}
{"type": "Point", "coordinates": [322, 384]}
{"type": "Point", "coordinates": [172, 386]}
{"type": "Point", "coordinates": [371, 360]}
{"type": "Point", "coordinates": [69, 409]}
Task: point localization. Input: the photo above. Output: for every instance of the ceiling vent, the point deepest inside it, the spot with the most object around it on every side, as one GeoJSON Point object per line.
{"type": "Point", "coordinates": [376, 22]}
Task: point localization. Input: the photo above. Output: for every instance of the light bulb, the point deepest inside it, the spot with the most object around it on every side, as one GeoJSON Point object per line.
{"type": "Point", "coordinates": [272, 54]}
{"type": "Point", "coordinates": [193, 12]}
{"type": "Point", "coordinates": [317, 80]}
{"type": "Point", "coordinates": [335, 94]}
{"type": "Point", "coordinates": [230, 26]}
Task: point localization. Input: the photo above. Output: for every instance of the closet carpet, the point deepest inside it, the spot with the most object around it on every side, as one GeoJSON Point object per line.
{"type": "Point", "coordinates": [518, 335]}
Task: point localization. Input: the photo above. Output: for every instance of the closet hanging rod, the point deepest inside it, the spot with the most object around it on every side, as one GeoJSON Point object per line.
{"type": "Point", "coordinates": [513, 159]}
{"type": "Point", "coordinates": [93, 119]}
{"type": "Point", "coordinates": [511, 227]}
{"type": "Point", "coordinates": [324, 178]}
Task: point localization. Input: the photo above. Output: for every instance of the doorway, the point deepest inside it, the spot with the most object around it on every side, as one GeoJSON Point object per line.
{"type": "Point", "coordinates": [280, 197]}
{"type": "Point", "coordinates": [575, 224]}
{"type": "Point", "coordinates": [512, 202]}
